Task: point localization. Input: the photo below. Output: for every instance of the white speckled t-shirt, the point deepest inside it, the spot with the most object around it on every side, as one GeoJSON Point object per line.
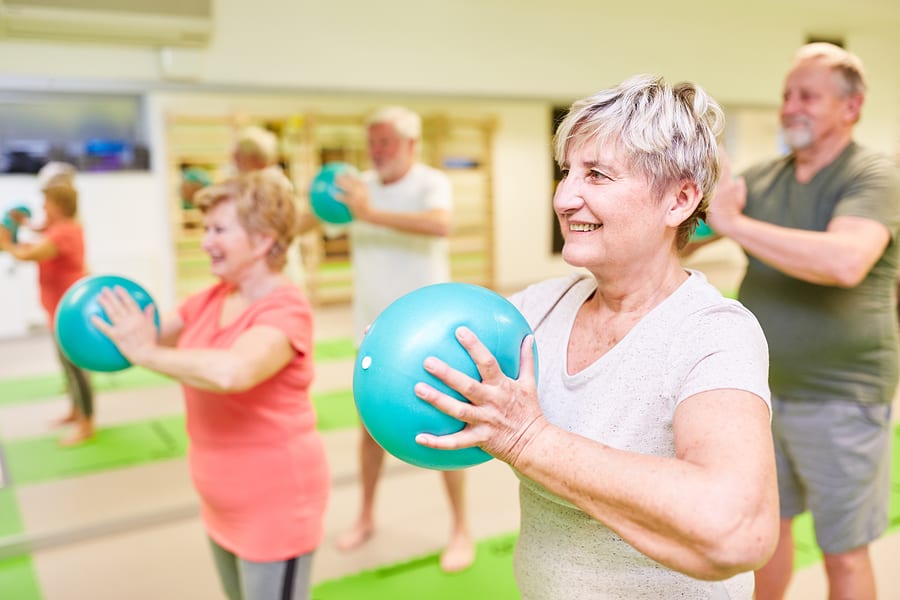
{"type": "Point", "coordinates": [388, 263]}
{"type": "Point", "coordinates": [693, 341]}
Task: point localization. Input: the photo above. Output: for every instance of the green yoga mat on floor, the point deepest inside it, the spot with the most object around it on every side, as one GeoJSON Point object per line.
{"type": "Point", "coordinates": [489, 577]}
{"type": "Point", "coordinates": [10, 519]}
{"type": "Point", "coordinates": [18, 580]}
{"type": "Point", "coordinates": [39, 459]}
{"type": "Point", "coordinates": [32, 460]}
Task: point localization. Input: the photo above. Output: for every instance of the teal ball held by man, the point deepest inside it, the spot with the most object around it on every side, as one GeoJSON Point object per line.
{"type": "Point", "coordinates": [78, 337]}
{"type": "Point", "coordinates": [390, 360]}
{"type": "Point", "coordinates": [324, 194]}
{"type": "Point", "coordinates": [702, 232]}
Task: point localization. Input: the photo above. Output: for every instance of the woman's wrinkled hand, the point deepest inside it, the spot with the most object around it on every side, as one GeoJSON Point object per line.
{"type": "Point", "coordinates": [503, 414]}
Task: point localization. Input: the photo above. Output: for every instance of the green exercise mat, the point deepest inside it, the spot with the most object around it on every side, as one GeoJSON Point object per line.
{"type": "Point", "coordinates": [489, 577]}
{"type": "Point", "coordinates": [335, 410]}
{"type": "Point", "coordinates": [31, 460]}
{"type": "Point", "coordinates": [38, 459]}
{"type": "Point", "coordinates": [18, 580]}
{"type": "Point", "coordinates": [10, 519]}
{"type": "Point", "coordinates": [334, 349]}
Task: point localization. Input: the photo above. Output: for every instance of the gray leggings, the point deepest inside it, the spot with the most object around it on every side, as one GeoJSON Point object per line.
{"type": "Point", "coordinates": [247, 580]}
{"type": "Point", "coordinates": [79, 386]}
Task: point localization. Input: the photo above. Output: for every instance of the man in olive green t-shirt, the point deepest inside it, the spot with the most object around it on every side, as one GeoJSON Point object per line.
{"type": "Point", "coordinates": [820, 229]}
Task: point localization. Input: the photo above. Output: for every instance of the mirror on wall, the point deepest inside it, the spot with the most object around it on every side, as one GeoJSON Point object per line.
{"type": "Point", "coordinates": [91, 131]}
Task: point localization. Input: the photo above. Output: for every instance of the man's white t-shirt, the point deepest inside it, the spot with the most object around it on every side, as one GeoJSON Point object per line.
{"type": "Point", "coordinates": [388, 263]}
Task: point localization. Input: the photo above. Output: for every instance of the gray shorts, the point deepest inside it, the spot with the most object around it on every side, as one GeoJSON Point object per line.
{"type": "Point", "coordinates": [834, 459]}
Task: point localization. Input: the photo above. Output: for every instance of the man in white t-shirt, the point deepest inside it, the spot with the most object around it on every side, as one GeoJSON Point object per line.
{"type": "Point", "coordinates": [398, 237]}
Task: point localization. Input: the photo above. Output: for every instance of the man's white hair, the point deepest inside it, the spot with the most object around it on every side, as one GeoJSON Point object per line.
{"type": "Point", "coordinates": [846, 65]}
{"type": "Point", "coordinates": [405, 122]}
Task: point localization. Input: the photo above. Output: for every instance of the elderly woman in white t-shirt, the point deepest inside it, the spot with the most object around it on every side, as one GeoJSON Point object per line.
{"type": "Point", "coordinates": [645, 453]}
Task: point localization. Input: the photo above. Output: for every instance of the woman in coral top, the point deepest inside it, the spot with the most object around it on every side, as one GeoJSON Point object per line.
{"type": "Point", "coordinates": [59, 255]}
{"type": "Point", "coordinates": [243, 351]}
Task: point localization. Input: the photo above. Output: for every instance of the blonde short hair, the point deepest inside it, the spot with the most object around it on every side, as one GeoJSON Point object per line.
{"type": "Point", "coordinates": [65, 197]}
{"type": "Point", "coordinates": [265, 205]}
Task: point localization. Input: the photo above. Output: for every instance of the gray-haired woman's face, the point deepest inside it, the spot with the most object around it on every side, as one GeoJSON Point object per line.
{"type": "Point", "coordinates": [606, 210]}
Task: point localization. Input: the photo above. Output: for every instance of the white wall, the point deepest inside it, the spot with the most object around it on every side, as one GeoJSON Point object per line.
{"type": "Point", "coordinates": [529, 48]}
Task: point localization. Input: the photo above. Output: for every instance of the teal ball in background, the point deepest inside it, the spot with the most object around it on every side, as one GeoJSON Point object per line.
{"type": "Point", "coordinates": [79, 339]}
{"type": "Point", "coordinates": [10, 221]}
{"type": "Point", "coordinates": [322, 194]}
{"type": "Point", "coordinates": [702, 232]}
{"type": "Point", "coordinates": [389, 364]}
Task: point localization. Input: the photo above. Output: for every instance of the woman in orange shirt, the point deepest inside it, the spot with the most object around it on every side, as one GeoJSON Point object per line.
{"type": "Point", "coordinates": [243, 351]}
{"type": "Point", "coordinates": [60, 258]}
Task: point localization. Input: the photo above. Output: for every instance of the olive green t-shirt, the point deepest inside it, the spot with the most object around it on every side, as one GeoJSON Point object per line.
{"type": "Point", "coordinates": [826, 342]}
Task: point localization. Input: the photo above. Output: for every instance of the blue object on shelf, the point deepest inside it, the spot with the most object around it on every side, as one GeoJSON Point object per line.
{"type": "Point", "coordinates": [104, 147]}
{"type": "Point", "coordinates": [106, 155]}
{"type": "Point", "coordinates": [460, 162]}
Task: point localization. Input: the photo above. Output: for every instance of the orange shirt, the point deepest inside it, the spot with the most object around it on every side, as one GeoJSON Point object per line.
{"type": "Point", "coordinates": [256, 459]}
{"type": "Point", "coordinates": [56, 274]}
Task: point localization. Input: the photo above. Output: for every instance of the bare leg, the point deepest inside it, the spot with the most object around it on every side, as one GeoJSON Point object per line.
{"type": "Point", "coordinates": [84, 430]}
{"type": "Point", "coordinates": [460, 551]}
{"type": "Point", "coordinates": [850, 575]}
{"type": "Point", "coordinates": [78, 384]}
{"type": "Point", "coordinates": [72, 415]}
{"type": "Point", "coordinates": [773, 578]}
{"type": "Point", "coordinates": [371, 457]}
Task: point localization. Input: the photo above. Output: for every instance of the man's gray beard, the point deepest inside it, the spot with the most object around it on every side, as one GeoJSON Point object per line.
{"type": "Point", "coordinates": [797, 138]}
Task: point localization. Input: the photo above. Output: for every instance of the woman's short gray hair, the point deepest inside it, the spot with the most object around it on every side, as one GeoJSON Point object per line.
{"type": "Point", "coordinates": [406, 123]}
{"type": "Point", "coordinates": [666, 132]}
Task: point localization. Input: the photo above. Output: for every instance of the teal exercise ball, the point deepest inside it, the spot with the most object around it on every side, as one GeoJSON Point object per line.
{"type": "Point", "coordinates": [10, 220]}
{"type": "Point", "coordinates": [702, 232]}
{"type": "Point", "coordinates": [323, 194]}
{"type": "Point", "coordinates": [82, 343]}
{"type": "Point", "coordinates": [390, 363]}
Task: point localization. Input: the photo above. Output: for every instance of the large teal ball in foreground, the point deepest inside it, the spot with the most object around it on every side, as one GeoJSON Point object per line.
{"type": "Point", "coordinates": [79, 339]}
{"type": "Point", "coordinates": [389, 364]}
{"type": "Point", "coordinates": [323, 194]}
